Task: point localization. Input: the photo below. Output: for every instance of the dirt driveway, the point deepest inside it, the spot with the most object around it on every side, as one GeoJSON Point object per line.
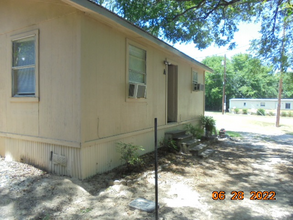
{"type": "Point", "coordinates": [256, 172]}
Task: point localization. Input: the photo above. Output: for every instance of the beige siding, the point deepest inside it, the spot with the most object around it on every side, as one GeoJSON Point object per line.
{"type": "Point", "coordinates": [102, 155]}
{"type": "Point", "coordinates": [30, 131]}
{"type": "Point", "coordinates": [3, 97]}
{"type": "Point", "coordinates": [83, 90]}
{"type": "Point", "coordinates": [57, 114]}
{"type": "Point", "coordinates": [106, 111]}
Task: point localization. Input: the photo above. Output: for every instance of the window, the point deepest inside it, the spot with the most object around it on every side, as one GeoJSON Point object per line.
{"type": "Point", "coordinates": [244, 104]}
{"type": "Point", "coordinates": [24, 65]}
{"type": "Point", "coordinates": [287, 106]}
{"type": "Point", "coordinates": [263, 104]}
{"type": "Point", "coordinates": [194, 77]}
{"type": "Point", "coordinates": [137, 72]}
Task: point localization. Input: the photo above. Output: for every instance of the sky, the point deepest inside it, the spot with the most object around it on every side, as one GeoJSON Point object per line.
{"type": "Point", "coordinates": [242, 38]}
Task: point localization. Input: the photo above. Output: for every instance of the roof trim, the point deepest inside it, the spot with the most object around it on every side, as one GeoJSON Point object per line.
{"type": "Point", "coordinates": [89, 5]}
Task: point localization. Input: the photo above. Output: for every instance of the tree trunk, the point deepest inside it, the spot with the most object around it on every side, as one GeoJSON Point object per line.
{"type": "Point", "coordinates": [279, 100]}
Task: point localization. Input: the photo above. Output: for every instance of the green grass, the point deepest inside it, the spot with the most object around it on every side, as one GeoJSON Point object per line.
{"type": "Point", "coordinates": [233, 134]}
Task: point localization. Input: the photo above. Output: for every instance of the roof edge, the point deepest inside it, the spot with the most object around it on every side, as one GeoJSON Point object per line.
{"type": "Point", "coordinates": [89, 5]}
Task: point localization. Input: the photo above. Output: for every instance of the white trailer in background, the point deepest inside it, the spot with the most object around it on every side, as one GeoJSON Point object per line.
{"type": "Point", "coordinates": [268, 104]}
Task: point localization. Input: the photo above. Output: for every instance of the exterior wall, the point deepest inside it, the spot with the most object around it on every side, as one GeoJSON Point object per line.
{"type": "Point", "coordinates": [108, 116]}
{"type": "Point", "coordinates": [54, 118]}
{"type": "Point", "coordinates": [82, 109]}
{"type": "Point", "coordinates": [256, 103]}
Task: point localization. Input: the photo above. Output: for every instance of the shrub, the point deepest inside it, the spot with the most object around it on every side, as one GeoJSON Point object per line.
{"type": "Point", "coordinates": [261, 111]}
{"type": "Point", "coordinates": [283, 114]}
{"type": "Point", "coordinates": [195, 131]}
{"type": "Point", "coordinates": [170, 144]}
{"type": "Point", "coordinates": [129, 155]}
{"type": "Point", "coordinates": [244, 111]}
{"type": "Point", "coordinates": [270, 113]}
{"type": "Point", "coordinates": [236, 110]}
{"type": "Point", "coordinates": [290, 114]}
{"type": "Point", "coordinates": [208, 123]}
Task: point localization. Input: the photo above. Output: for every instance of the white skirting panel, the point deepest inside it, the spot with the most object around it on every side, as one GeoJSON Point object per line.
{"type": "Point", "coordinates": [58, 159]}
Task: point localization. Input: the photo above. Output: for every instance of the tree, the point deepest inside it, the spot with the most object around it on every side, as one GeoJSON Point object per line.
{"type": "Point", "coordinates": [275, 45]}
{"type": "Point", "coordinates": [247, 77]}
{"type": "Point", "coordinates": [199, 21]}
{"type": "Point", "coordinates": [204, 22]}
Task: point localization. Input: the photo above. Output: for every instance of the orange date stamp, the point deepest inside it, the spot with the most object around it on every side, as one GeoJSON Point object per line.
{"type": "Point", "coordinates": [239, 195]}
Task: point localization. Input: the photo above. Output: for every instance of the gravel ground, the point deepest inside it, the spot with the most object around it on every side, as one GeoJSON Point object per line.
{"type": "Point", "coordinates": [258, 162]}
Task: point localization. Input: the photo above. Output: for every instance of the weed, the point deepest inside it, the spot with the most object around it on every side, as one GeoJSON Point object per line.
{"type": "Point", "coordinates": [195, 130]}
{"type": "Point", "coordinates": [86, 210]}
{"type": "Point", "coordinates": [47, 217]}
{"type": "Point", "coordinates": [129, 154]}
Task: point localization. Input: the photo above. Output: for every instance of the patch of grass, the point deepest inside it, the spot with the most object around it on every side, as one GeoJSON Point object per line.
{"type": "Point", "coordinates": [289, 133]}
{"type": "Point", "coordinates": [86, 210]}
{"type": "Point", "coordinates": [47, 217]}
{"type": "Point", "coordinates": [233, 134]}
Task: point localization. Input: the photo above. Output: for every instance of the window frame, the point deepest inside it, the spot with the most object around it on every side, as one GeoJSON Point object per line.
{"type": "Point", "coordinates": [14, 97]}
{"type": "Point", "coordinates": [128, 82]}
{"type": "Point", "coordinates": [192, 75]}
{"type": "Point", "coordinates": [287, 104]}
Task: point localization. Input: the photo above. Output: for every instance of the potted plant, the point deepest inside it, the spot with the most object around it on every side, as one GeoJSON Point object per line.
{"type": "Point", "coordinates": [208, 123]}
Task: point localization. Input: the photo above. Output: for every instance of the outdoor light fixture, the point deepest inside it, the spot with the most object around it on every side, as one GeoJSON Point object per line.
{"type": "Point", "coordinates": [167, 63]}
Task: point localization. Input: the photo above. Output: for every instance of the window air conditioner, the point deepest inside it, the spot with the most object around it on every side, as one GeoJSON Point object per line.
{"type": "Point", "coordinates": [137, 90]}
{"type": "Point", "coordinates": [201, 87]}
{"type": "Point", "coordinates": [195, 86]}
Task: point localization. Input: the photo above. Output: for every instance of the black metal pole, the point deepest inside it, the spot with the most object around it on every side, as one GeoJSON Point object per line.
{"type": "Point", "coordinates": [156, 169]}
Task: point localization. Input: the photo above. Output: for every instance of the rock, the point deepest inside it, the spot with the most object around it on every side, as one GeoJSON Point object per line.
{"type": "Point", "coordinates": [110, 182]}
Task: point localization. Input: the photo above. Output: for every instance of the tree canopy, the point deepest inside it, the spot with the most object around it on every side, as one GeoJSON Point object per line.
{"type": "Point", "coordinates": [204, 22]}
{"type": "Point", "coordinates": [247, 77]}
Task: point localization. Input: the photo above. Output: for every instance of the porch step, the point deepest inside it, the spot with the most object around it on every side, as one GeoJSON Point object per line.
{"type": "Point", "coordinates": [188, 144]}
{"type": "Point", "coordinates": [174, 134]}
{"type": "Point", "coordinates": [184, 137]}
{"type": "Point", "coordinates": [207, 153]}
{"type": "Point", "coordinates": [198, 149]}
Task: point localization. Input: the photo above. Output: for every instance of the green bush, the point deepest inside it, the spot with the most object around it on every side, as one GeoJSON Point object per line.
{"type": "Point", "coordinates": [270, 113]}
{"type": "Point", "coordinates": [195, 130]}
{"type": "Point", "coordinates": [284, 114]}
{"type": "Point", "coordinates": [290, 114]}
{"type": "Point", "coordinates": [244, 111]}
{"type": "Point", "coordinates": [208, 123]}
{"type": "Point", "coordinates": [236, 110]}
{"type": "Point", "coordinates": [129, 154]}
{"type": "Point", "coordinates": [170, 144]}
{"type": "Point", "coordinates": [261, 111]}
